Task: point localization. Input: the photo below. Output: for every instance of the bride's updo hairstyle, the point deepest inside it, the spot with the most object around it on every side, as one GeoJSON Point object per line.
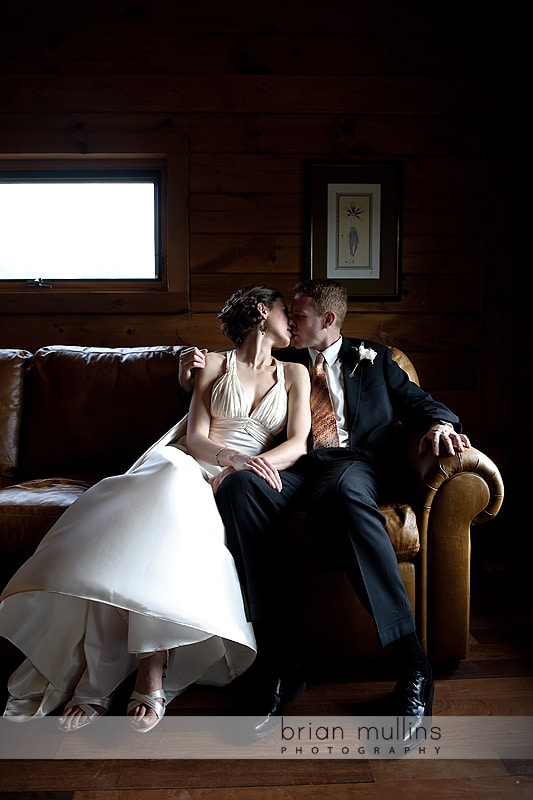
{"type": "Point", "coordinates": [241, 315]}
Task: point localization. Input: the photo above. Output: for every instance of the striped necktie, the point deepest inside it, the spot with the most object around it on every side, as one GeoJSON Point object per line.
{"type": "Point", "coordinates": [323, 425]}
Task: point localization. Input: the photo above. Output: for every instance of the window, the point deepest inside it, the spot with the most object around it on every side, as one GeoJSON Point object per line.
{"type": "Point", "coordinates": [80, 225]}
{"type": "Point", "coordinates": [116, 241]}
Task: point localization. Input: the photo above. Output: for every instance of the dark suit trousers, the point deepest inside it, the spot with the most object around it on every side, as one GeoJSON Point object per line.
{"type": "Point", "coordinates": [339, 490]}
{"type": "Point", "coordinates": [253, 516]}
{"type": "Point", "coordinates": [342, 498]}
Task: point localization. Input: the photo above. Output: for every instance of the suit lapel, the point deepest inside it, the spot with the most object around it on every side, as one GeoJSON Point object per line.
{"type": "Point", "coordinates": [352, 385]}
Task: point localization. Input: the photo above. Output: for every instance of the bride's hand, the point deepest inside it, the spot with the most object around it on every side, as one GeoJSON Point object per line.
{"type": "Point", "coordinates": [257, 464]}
{"type": "Point", "coordinates": [217, 479]}
{"type": "Point", "coordinates": [263, 468]}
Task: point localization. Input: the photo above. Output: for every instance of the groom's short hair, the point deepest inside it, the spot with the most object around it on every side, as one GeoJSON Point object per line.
{"type": "Point", "coordinates": [327, 295]}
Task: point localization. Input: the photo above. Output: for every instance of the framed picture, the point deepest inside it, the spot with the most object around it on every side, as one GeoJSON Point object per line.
{"type": "Point", "coordinates": [354, 227]}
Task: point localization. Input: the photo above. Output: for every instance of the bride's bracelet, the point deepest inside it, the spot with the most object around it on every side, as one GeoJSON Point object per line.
{"type": "Point", "coordinates": [217, 455]}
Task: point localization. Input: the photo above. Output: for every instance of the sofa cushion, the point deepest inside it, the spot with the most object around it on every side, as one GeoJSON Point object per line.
{"type": "Point", "coordinates": [96, 409]}
{"type": "Point", "coordinates": [28, 511]}
{"type": "Point", "coordinates": [402, 528]}
{"type": "Point", "coordinates": [13, 366]}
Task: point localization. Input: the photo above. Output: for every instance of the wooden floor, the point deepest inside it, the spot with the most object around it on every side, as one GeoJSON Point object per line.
{"type": "Point", "coordinates": [496, 680]}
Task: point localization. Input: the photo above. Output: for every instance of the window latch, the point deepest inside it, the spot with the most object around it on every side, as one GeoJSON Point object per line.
{"type": "Point", "coordinates": [38, 282]}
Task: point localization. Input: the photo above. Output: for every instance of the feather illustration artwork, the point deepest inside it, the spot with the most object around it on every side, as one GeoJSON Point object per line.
{"type": "Point", "coordinates": [353, 213]}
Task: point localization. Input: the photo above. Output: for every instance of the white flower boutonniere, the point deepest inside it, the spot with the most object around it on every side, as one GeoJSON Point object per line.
{"type": "Point", "coordinates": [363, 354]}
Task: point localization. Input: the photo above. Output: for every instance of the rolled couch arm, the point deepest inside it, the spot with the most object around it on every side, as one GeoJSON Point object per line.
{"type": "Point", "coordinates": [453, 493]}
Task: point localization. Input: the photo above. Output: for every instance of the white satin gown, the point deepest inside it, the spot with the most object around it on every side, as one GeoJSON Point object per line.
{"type": "Point", "coordinates": [139, 563]}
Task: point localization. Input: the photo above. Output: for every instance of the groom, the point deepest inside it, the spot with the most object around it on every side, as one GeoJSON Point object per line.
{"type": "Point", "coordinates": [338, 482]}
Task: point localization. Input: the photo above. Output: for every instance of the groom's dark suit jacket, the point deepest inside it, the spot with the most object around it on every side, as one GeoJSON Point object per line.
{"type": "Point", "coordinates": [378, 395]}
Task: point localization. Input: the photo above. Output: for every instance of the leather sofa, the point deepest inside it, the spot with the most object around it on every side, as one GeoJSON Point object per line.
{"type": "Point", "coordinates": [70, 416]}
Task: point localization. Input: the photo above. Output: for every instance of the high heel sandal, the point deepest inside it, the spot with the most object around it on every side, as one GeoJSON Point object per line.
{"type": "Point", "coordinates": [137, 699]}
{"type": "Point", "coordinates": [138, 724]}
{"type": "Point", "coordinates": [90, 713]}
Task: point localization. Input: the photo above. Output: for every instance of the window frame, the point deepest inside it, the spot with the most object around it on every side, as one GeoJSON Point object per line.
{"type": "Point", "coordinates": [169, 292]}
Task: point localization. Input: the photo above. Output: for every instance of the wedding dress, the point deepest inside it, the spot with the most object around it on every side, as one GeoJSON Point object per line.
{"type": "Point", "coordinates": [137, 564]}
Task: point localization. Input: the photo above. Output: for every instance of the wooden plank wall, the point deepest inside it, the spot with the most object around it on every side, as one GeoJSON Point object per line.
{"type": "Point", "coordinates": [259, 91]}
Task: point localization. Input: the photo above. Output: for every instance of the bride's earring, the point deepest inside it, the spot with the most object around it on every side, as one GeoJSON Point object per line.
{"type": "Point", "coordinates": [263, 327]}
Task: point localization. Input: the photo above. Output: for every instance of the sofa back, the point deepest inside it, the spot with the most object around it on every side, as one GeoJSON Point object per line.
{"type": "Point", "coordinates": [94, 410]}
{"type": "Point", "coordinates": [71, 411]}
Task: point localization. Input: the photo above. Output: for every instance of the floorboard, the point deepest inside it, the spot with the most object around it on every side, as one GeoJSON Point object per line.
{"type": "Point", "coordinates": [496, 680]}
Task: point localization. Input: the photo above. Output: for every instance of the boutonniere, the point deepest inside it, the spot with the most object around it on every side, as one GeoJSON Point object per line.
{"type": "Point", "coordinates": [363, 354]}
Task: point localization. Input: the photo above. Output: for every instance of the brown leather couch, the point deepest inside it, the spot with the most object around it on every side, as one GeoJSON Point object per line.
{"type": "Point", "coordinates": [70, 416]}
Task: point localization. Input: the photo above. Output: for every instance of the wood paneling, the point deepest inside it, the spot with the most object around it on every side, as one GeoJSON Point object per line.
{"type": "Point", "coordinates": [257, 92]}
{"type": "Point", "coordinates": [345, 132]}
{"type": "Point", "coordinates": [269, 53]}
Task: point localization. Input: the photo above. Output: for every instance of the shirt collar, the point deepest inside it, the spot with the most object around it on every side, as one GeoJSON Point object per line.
{"type": "Point", "coordinates": [330, 354]}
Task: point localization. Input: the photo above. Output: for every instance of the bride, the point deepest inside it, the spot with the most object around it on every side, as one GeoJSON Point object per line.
{"type": "Point", "coordinates": [136, 574]}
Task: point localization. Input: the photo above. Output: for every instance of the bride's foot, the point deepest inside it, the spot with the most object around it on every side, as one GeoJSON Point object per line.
{"type": "Point", "coordinates": [80, 712]}
{"type": "Point", "coordinates": [147, 705]}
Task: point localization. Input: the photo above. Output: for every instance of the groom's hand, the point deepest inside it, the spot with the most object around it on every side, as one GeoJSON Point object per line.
{"type": "Point", "coordinates": [190, 359]}
{"type": "Point", "coordinates": [443, 437]}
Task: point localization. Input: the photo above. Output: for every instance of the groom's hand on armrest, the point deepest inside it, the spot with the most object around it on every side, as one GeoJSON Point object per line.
{"type": "Point", "coordinates": [443, 439]}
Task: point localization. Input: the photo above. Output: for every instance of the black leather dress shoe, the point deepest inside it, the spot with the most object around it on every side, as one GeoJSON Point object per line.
{"type": "Point", "coordinates": [270, 703]}
{"type": "Point", "coordinates": [413, 695]}
{"type": "Point", "coordinates": [270, 709]}
{"type": "Point", "coordinates": [413, 698]}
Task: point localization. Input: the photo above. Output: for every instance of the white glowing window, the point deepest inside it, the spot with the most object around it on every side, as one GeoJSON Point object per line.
{"type": "Point", "coordinates": [80, 225]}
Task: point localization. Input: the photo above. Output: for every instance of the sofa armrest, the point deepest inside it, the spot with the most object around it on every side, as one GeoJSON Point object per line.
{"type": "Point", "coordinates": [14, 366]}
{"type": "Point", "coordinates": [453, 493]}
{"type": "Point", "coordinates": [430, 474]}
